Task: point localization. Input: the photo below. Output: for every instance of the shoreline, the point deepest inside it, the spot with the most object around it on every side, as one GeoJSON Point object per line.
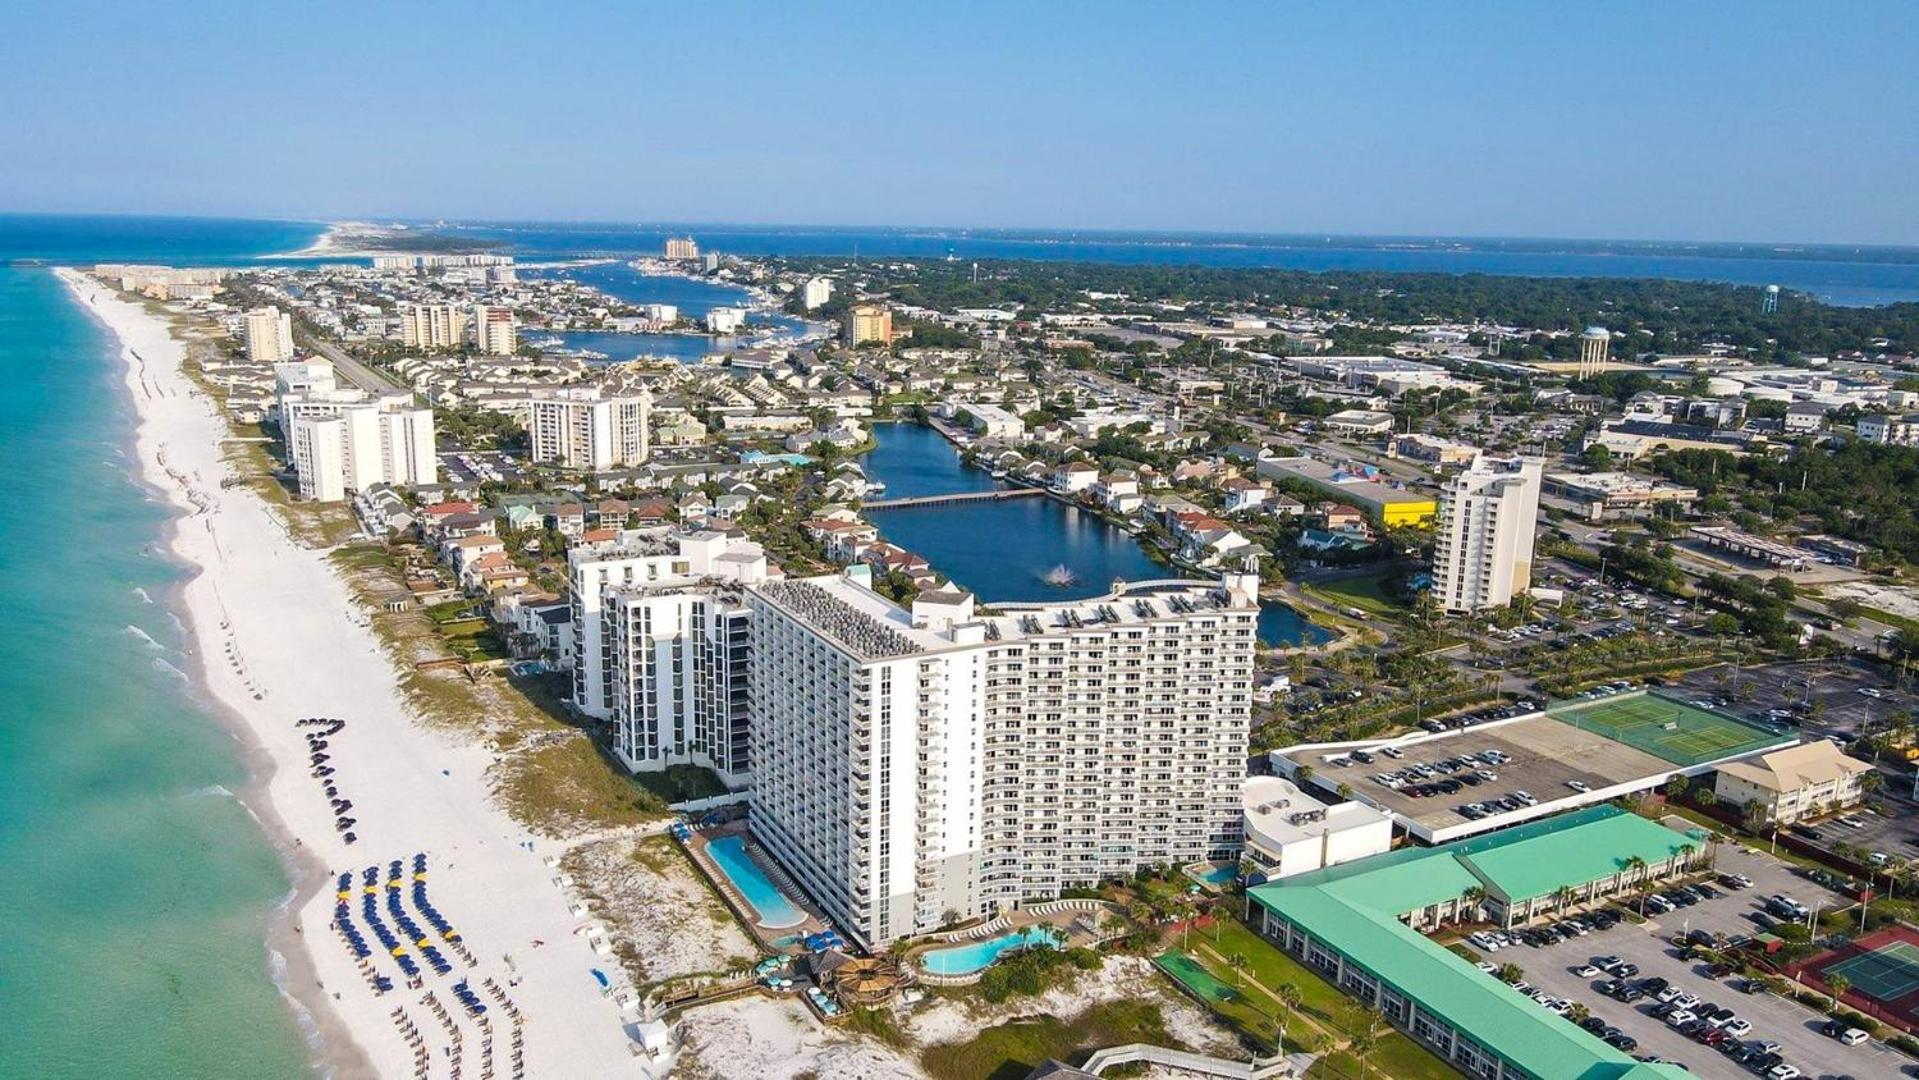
{"type": "Point", "coordinates": [259, 608]}
{"type": "Point", "coordinates": [328, 1039]}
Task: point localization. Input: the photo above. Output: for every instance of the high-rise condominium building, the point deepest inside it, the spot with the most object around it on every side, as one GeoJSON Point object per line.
{"type": "Point", "coordinates": [493, 332]}
{"type": "Point", "coordinates": [682, 248]}
{"type": "Point", "coordinates": [816, 292]}
{"type": "Point", "coordinates": [656, 620]}
{"type": "Point", "coordinates": [432, 326]}
{"type": "Point", "coordinates": [869, 322]}
{"type": "Point", "coordinates": [1483, 550]}
{"type": "Point", "coordinates": [269, 335]}
{"type": "Point", "coordinates": [360, 445]}
{"type": "Point", "coordinates": [581, 429]}
{"type": "Point", "coordinates": [913, 766]}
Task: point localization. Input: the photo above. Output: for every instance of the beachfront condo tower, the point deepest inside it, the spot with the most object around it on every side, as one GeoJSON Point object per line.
{"type": "Point", "coordinates": [1483, 550]}
{"type": "Point", "coordinates": [582, 429]}
{"type": "Point", "coordinates": [350, 448]}
{"type": "Point", "coordinates": [914, 766]}
{"type": "Point", "coordinates": [659, 623]}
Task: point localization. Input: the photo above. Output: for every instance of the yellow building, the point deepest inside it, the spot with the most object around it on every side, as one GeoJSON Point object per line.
{"type": "Point", "coordinates": [1389, 506]}
{"type": "Point", "coordinates": [869, 322]}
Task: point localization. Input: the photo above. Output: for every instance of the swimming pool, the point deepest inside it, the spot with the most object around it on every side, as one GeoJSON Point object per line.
{"type": "Point", "coordinates": [774, 909]}
{"type": "Point", "coordinates": [1219, 874]}
{"type": "Point", "coordinates": [966, 959]}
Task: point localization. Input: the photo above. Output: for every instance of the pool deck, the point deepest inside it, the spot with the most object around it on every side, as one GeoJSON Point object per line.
{"type": "Point", "coordinates": [769, 937]}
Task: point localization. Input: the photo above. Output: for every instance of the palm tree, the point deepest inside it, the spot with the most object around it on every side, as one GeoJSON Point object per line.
{"type": "Point", "coordinates": [1474, 896]}
{"type": "Point", "coordinates": [1563, 897]}
{"type": "Point", "coordinates": [1636, 867]}
{"type": "Point", "coordinates": [1240, 966]}
{"type": "Point", "coordinates": [1838, 984]}
{"type": "Point", "coordinates": [1364, 1042]}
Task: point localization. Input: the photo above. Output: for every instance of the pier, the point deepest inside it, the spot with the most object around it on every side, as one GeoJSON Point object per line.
{"type": "Point", "coordinates": [957, 497]}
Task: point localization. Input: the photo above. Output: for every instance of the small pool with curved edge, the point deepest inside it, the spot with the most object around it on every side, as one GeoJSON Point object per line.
{"type": "Point", "coordinates": [775, 911]}
{"type": "Point", "coordinates": [979, 955]}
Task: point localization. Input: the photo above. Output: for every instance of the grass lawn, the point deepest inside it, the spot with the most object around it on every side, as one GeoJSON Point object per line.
{"type": "Point", "coordinates": [682, 782]}
{"type": "Point", "coordinates": [1365, 592]}
{"type": "Point", "coordinates": [1011, 1050]}
{"type": "Point", "coordinates": [1396, 1055]}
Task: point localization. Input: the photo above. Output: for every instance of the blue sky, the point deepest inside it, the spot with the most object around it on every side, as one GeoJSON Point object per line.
{"type": "Point", "coordinates": [1708, 121]}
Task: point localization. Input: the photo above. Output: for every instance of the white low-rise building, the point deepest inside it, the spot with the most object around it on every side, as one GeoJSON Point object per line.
{"type": "Point", "coordinates": [1793, 784]}
{"type": "Point", "coordinates": [1289, 832]}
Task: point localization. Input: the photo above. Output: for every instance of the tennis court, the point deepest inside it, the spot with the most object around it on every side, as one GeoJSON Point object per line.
{"type": "Point", "coordinates": [1885, 974]}
{"type": "Point", "coordinates": [1673, 730]}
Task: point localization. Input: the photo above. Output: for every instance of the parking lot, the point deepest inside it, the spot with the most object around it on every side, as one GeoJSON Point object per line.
{"type": "Point", "coordinates": [1524, 764]}
{"type": "Point", "coordinates": [1795, 1028]}
{"type": "Point", "coordinates": [1834, 697]}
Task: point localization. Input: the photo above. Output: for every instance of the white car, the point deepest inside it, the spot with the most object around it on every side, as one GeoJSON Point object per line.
{"type": "Point", "coordinates": [1739, 1027]}
{"type": "Point", "coordinates": [1783, 1072]}
{"type": "Point", "coordinates": [1678, 1017]}
{"type": "Point", "coordinates": [1686, 1000]}
{"type": "Point", "coordinates": [1853, 1037]}
{"type": "Point", "coordinates": [1670, 993]}
{"type": "Point", "coordinates": [1586, 971]}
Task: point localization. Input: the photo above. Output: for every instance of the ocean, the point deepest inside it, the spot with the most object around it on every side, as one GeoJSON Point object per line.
{"type": "Point", "coordinates": [1848, 275]}
{"type": "Point", "coordinates": [137, 889]}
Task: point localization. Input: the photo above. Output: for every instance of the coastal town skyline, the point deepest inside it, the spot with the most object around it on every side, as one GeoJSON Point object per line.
{"type": "Point", "coordinates": [964, 542]}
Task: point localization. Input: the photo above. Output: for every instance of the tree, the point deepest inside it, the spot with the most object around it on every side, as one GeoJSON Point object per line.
{"type": "Point", "coordinates": [1510, 973]}
{"type": "Point", "coordinates": [1636, 868]}
{"type": "Point", "coordinates": [1706, 796]}
{"type": "Point", "coordinates": [1676, 787]}
{"type": "Point", "coordinates": [1240, 966]}
{"type": "Point", "coordinates": [1838, 984]}
{"type": "Point", "coordinates": [1474, 896]}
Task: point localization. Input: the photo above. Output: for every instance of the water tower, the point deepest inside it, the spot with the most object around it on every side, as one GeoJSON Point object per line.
{"type": "Point", "coordinates": [1595, 348]}
{"type": "Point", "coordinates": [1770, 304]}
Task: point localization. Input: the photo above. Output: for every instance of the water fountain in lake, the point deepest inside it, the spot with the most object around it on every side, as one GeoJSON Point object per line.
{"type": "Point", "coordinates": [1060, 577]}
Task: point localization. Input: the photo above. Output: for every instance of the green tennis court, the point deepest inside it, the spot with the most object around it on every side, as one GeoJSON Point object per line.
{"type": "Point", "coordinates": [1680, 733]}
{"type": "Point", "coordinates": [1195, 978]}
{"type": "Point", "coordinates": [1885, 974]}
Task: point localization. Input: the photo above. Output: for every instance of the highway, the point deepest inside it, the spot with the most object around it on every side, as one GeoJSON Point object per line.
{"type": "Point", "coordinates": [373, 382]}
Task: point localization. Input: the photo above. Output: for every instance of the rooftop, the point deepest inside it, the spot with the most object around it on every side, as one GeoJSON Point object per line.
{"type": "Point", "coordinates": [1355, 909]}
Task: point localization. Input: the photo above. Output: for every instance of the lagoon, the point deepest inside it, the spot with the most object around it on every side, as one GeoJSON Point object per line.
{"type": "Point", "coordinates": [1003, 551]}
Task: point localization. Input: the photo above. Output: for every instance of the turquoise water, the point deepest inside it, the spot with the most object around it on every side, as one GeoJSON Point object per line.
{"type": "Point", "coordinates": [136, 890]}
{"type": "Point", "coordinates": [775, 910]}
{"type": "Point", "coordinates": [966, 959]}
{"type": "Point", "coordinates": [1221, 874]}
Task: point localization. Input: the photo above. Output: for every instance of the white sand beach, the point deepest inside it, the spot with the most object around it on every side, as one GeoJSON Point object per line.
{"type": "Point", "coordinates": [279, 639]}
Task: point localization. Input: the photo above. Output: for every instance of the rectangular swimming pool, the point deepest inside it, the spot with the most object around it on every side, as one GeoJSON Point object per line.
{"type": "Point", "coordinates": [775, 911]}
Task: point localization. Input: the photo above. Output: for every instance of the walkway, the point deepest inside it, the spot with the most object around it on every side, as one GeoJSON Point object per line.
{"type": "Point", "coordinates": [1256, 1069]}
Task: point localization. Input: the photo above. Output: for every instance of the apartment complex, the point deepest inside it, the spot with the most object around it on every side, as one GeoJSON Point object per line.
{"type": "Point", "coordinates": [1799, 782]}
{"type": "Point", "coordinates": [360, 445]}
{"type": "Point", "coordinates": [1483, 551]}
{"type": "Point", "coordinates": [618, 654]}
{"type": "Point", "coordinates": [725, 320]}
{"type": "Point", "coordinates": [493, 332]}
{"type": "Point", "coordinates": [269, 335]}
{"type": "Point", "coordinates": [816, 292]}
{"type": "Point", "coordinates": [432, 326]}
{"type": "Point", "coordinates": [583, 429]}
{"type": "Point", "coordinates": [869, 322]}
{"type": "Point", "coordinates": [1894, 430]}
{"type": "Point", "coordinates": [911, 766]}
{"type": "Point", "coordinates": [682, 248]}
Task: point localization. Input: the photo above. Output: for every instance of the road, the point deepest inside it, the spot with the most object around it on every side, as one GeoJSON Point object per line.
{"type": "Point", "coordinates": [360, 375]}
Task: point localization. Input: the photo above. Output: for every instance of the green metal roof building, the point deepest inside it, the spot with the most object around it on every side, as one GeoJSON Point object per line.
{"type": "Point", "coordinates": [1347, 922]}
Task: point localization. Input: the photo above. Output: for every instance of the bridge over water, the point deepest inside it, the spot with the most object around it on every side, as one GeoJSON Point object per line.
{"type": "Point", "coordinates": [957, 497]}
